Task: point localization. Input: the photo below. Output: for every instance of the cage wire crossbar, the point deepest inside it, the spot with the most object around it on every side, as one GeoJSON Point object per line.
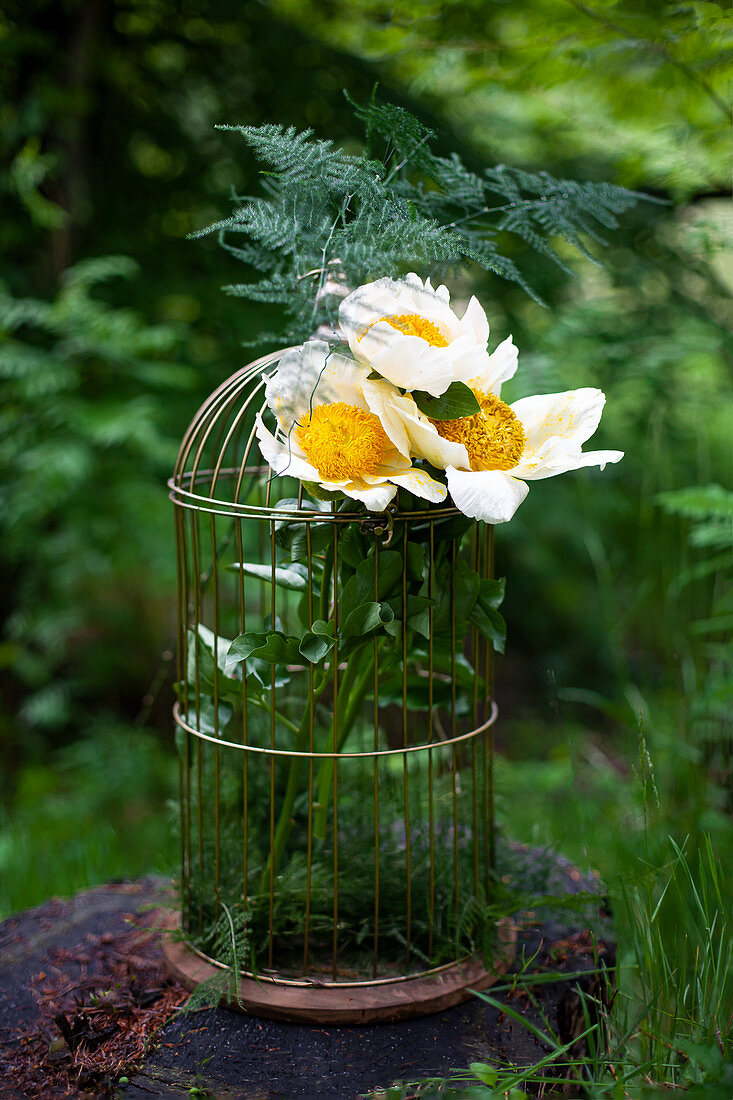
{"type": "Point", "coordinates": [336, 812]}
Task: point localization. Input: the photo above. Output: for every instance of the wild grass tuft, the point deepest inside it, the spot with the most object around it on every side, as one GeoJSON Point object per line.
{"type": "Point", "coordinates": [668, 1025]}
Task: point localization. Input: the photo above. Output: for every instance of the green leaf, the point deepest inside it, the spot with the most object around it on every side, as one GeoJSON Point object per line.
{"type": "Point", "coordinates": [210, 719]}
{"type": "Point", "coordinates": [698, 501]}
{"type": "Point", "coordinates": [415, 559]}
{"type": "Point", "coordinates": [484, 615]}
{"type": "Point", "coordinates": [420, 622]}
{"type": "Point", "coordinates": [366, 618]}
{"type": "Point", "coordinates": [315, 647]}
{"type": "Point", "coordinates": [361, 587]}
{"type": "Point", "coordinates": [320, 626]}
{"type": "Point", "coordinates": [207, 638]}
{"type": "Point", "coordinates": [446, 661]}
{"type": "Point", "coordinates": [276, 647]}
{"type": "Point", "coordinates": [467, 587]}
{"type": "Point", "coordinates": [416, 689]}
{"type": "Point", "coordinates": [451, 529]}
{"type": "Point", "coordinates": [353, 546]}
{"type": "Point", "coordinates": [394, 628]}
{"type": "Point", "coordinates": [712, 626]}
{"type": "Point", "coordinates": [317, 492]}
{"type": "Point", "coordinates": [261, 673]}
{"type": "Point", "coordinates": [708, 1057]}
{"type": "Point", "coordinates": [290, 534]}
{"type": "Point", "coordinates": [491, 592]}
{"type": "Point", "coordinates": [293, 576]}
{"type": "Point", "coordinates": [485, 1073]}
{"type": "Point", "coordinates": [389, 572]}
{"type": "Point", "coordinates": [295, 538]}
{"type": "Point", "coordinates": [418, 613]}
{"type": "Point", "coordinates": [465, 583]}
{"type": "Point", "coordinates": [457, 401]}
{"type": "Point", "coordinates": [223, 675]}
{"type": "Point", "coordinates": [317, 642]}
{"type": "Point", "coordinates": [490, 623]}
{"type": "Point", "coordinates": [714, 533]}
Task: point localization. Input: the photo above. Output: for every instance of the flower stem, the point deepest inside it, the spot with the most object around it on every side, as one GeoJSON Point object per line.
{"type": "Point", "coordinates": [350, 697]}
{"type": "Point", "coordinates": [351, 694]}
{"type": "Point", "coordinates": [326, 582]}
{"type": "Point", "coordinates": [285, 820]}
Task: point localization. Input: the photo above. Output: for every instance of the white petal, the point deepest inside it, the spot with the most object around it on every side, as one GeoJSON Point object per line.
{"type": "Point", "coordinates": [425, 299]}
{"type": "Point", "coordinates": [499, 367]}
{"type": "Point", "coordinates": [284, 457]}
{"type": "Point", "coordinates": [421, 484]}
{"type": "Point", "coordinates": [367, 304]}
{"type": "Point", "coordinates": [391, 298]}
{"type": "Point", "coordinates": [561, 462]}
{"type": "Point", "coordinates": [573, 415]}
{"type": "Point", "coordinates": [475, 320]}
{"type": "Point", "coordinates": [490, 495]}
{"type": "Point", "coordinates": [413, 280]}
{"type": "Point", "coordinates": [557, 456]}
{"type": "Point", "coordinates": [379, 395]}
{"type": "Point", "coordinates": [440, 292]}
{"type": "Point", "coordinates": [468, 359]}
{"type": "Point", "coordinates": [600, 458]}
{"type": "Point", "coordinates": [392, 463]}
{"type": "Point", "coordinates": [425, 442]}
{"type": "Point", "coordinates": [502, 365]}
{"type": "Point", "coordinates": [376, 498]}
{"type": "Point", "coordinates": [407, 361]}
{"type": "Point", "coordinates": [311, 375]}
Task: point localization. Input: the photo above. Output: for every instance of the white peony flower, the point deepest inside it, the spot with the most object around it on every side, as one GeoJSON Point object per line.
{"type": "Point", "coordinates": [407, 332]}
{"type": "Point", "coordinates": [327, 434]}
{"type": "Point", "coordinates": [489, 457]}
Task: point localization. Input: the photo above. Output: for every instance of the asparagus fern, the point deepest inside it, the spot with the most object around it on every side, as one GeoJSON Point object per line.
{"type": "Point", "coordinates": [331, 220]}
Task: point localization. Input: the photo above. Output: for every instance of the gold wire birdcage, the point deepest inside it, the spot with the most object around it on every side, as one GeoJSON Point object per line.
{"type": "Point", "coordinates": [335, 732]}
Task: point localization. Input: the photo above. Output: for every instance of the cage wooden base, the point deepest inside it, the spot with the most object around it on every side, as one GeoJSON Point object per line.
{"type": "Point", "coordinates": [342, 1004]}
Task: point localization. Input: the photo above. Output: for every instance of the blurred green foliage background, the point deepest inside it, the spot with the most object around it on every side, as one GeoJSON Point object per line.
{"type": "Point", "coordinates": [113, 330]}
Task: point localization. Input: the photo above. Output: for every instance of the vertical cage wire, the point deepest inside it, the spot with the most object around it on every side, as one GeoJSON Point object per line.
{"type": "Point", "coordinates": [337, 804]}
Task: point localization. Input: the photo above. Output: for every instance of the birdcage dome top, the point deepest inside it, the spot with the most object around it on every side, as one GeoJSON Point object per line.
{"type": "Point", "coordinates": [219, 460]}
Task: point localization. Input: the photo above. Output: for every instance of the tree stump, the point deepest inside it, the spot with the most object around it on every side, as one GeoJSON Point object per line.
{"type": "Point", "coordinates": [83, 989]}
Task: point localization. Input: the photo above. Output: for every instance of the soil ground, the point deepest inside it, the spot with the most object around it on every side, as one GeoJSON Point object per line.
{"type": "Point", "coordinates": [87, 1009]}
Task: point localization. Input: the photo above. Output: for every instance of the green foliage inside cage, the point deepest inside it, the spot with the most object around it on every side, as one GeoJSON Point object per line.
{"type": "Point", "coordinates": [449, 916]}
{"type": "Point", "coordinates": [354, 643]}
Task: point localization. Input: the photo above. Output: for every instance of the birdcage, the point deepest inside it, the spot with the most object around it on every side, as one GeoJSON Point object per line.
{"type": "Point", "coordinates": [334, 723]}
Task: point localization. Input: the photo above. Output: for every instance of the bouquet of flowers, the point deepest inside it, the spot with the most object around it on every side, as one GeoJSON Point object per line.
{"type": "Point", "coordinates": [417, 405]}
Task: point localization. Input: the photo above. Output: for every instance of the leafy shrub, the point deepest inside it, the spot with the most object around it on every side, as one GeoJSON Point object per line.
{"type": "Point", "coordinates": [87, 439]}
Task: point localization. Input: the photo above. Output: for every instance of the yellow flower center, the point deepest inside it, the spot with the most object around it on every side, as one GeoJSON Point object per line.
{"type": "Point", "coordinates": [342, 441]}
{"type": "Point", "coordinates": [412, 324]}
{"type": "Point", "coordinates": [493, 437]}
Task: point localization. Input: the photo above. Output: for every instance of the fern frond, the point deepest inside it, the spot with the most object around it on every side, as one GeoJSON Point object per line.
{"type": "Point", "coordinates": [698, 502]}
{"type": "Point", "coordinates": [268, 225]}
{"type": "Point", "coordinates": [323, 209]}
{"type": "Point", "coordinates": [294, 157]}
{"type": "Point", "coordinates": [463, 187]}
{"type": "Point", "coordinates": [207, 230]}
{"type": "Point", "coordinates": [487, 255]}
{"type": "Point", "coordinates": [277, 288]}
{"type": "Point", "coordinates": [561, 208]}
{"type": "Point", "coordinates": [405, 135]}
{"type": "Point", "coordinates": [251, 254]}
